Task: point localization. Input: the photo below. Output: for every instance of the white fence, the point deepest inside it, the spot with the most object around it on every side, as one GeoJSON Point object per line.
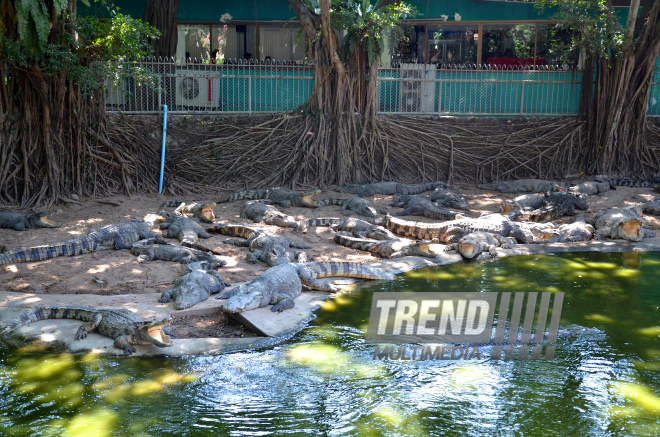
{"type": "Point", "coordinates": [247, 87]}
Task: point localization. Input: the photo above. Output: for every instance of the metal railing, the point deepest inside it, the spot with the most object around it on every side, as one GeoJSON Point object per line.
{"type": "Point", "coordinates": [238, 86]}
{"type": "Point", "coordinates": [248, 87]}
{"type": "Point", "coordinates": [479, 90]}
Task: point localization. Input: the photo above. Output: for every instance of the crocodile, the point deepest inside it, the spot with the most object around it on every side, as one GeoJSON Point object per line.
{"type": "Point", "coordinates": [558, 205]}
{"type": "Point", "coordinates": [452, 231]}
{"type": "Point", "coordinates": [269, 248]}
{"type": "Point", "coordinates": [195, 287]}
{"type": "Point", "coordinates": [280, 196]}
{"type": "Point", "coordinates": [525, 202]}
{"type": "Point", "coordinates": [448, 199]}
{"type": "Point", "coordinates": [359, 228]}
{"type": "Point", "coordinates": [121, 236]}
{"type": "Point", "coordinates": [184, 229]}
{"type": "Point", "coordinates": [577, 231]}
{"type": "Point", "coordinates": [590, 188]}
{"type": "Point", "coordinates": [627, 224]}
{"type": "Point", "coordinates": [389, 188]}
{"type": "Point", "coordinates": [523, 186]}
{"type": "Point", "coordinates": [21, 222]}
{"type": "Point", "coordinates": [630, 182]}
{"type": "Point", "coordinates": [388, 248]}
{"type": "Point", "coordinates": [360, 206]}
{"type": "Point", "coordinates": [279, 285]}
{"type": "Point", "coordinates": [417, 206]}
{"type": "Point", "coordinates": [260, 212]}
{"type": "Point", "coordinates": [148, 250]}
{"type": "Point", "coordinates": [651, 207]}
{"type": "Point", "coordinates": [200, 211]}
{"type": "Point", "coordinates": [473, 244]}
{"type": "Point", "coordinates": [123, 326]}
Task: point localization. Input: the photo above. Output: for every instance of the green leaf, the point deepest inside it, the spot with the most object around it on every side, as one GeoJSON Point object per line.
{"type": "Point", "coordinates": [86, 3]}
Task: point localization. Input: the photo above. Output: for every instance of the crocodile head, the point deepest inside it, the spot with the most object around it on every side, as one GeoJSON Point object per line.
{"type": "Point", "coordinates": [379, 233]}
{"type": "Point", "coordinates": [308, 198]}
{"type": "Point", "coordinates": [205, 212]}
{"type": "Point", "coordinates": [545, 235]}
{"type": "Point", "coordinates": [630, 229]}
{"type": "Point", "coordinates": [285, 222]}
{"type": "Point", "coordinates": [456, 202]}
{"type": "Point", "coordinates": [152, 332]}
{"type": "Point", "coordinates": [40, 220]}
{"type": "Point", "coordinates": [469, 248]}
{"type": "Point", "coordinates": [190, 295]}
{"type": "Point", "coordinates": [507, 207]}
{"type": "Point", "coordinates": [422, 248]}
{"type": "Point", "coordinates": [247, 297]}
{"type": "Point", "coordinates": [278, 255]}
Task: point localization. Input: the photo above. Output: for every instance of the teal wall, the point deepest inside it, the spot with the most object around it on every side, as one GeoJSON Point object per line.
{"type": "Point", "coordinates": [204, 10]}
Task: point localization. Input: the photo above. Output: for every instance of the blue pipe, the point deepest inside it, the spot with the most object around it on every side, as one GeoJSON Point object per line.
{"type": "Point", "coordinates": [162, 153]}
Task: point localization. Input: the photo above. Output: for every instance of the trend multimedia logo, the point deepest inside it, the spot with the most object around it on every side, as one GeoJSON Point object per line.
{"type": "Point", "coordinates": [462, 323]}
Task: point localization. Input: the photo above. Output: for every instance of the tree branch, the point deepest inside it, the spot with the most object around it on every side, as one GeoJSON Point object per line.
{"type": "Point", "coordinates": [307, 19]}
{"type": "Point", "coordinates": [630, 25]}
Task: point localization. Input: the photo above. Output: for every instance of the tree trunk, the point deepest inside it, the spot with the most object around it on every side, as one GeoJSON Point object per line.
{"type": "Point", "coordinates": [162, 14]}
{"type": "Point", "coordinates": [616, 115]}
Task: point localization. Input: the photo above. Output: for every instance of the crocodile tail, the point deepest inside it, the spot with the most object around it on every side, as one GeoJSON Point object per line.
{"type": "Point", "coordinates": [245, 195]}
{"type": "Point", "coordinates": [322, 221]}
{"type": "Point", "coordinates": [330, 201]}
{"type": "Point", "coordinates": [439, 214]}
{"type": "Point", "coordinates": [356, 243]}
{"type": "Point", "coordinates": [320, 270]}
{"type": "Point", "coordinates": [47, 312]}
{"type": "Point", "coordinates": [422, 188]}
{"type": "Point", "coordinates": [39, 253]}
{"type": "Point", "coordinates": [235, 230]}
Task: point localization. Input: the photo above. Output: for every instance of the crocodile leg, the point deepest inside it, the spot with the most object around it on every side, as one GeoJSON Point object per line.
{"type": "Point", "coordinates": [122, 342]}
{"type": "Point", "coordinates": [88, 327]}
{"type": "Point", "coordinates": [301, 257]}
{"type": "Point", "coordinates": [204, 234]}
{"type": "Point", "coordinates": [166, 295]}
{"type": "Point", "coordinates": [281, 302]}
{"type": "Point", "coordinates": [297, 244]}
{"type": "Point", "coordinates": [254, 257]}
{"type": "Point", "coordinates": [220, 279]}
{"type": "Point", "coordinates": [149, 256]}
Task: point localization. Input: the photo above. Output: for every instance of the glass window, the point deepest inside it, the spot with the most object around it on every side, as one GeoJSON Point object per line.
{"type": "Point", "coordinates": [509, 44]}
{"type": "Point", "coordinates": [205, 44]}
{"type": "Point", "coordinates": [278, 42]}
{"type": "Point", "coordinates": [451, 44]}
{"type": "Point", "coordinates": [553, 45]}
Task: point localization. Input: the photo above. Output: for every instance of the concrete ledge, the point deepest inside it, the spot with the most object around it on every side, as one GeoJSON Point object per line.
{"type": "Point", "coordinates": [275, 327]}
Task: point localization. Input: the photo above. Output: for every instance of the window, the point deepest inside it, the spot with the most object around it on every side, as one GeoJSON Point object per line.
{"type": "Point", "coordinates": [279, 43]}
{"type": "Point", "coordinates": [509, 44]}
{"type": "Point", "coordinates": [204, 43]}
{"type": "Point", "coordinates": [553, 45]}
{"type": "Point", "coordinates": [448, 44]}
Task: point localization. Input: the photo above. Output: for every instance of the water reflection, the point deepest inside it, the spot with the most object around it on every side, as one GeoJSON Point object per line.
{"type": "Point", "coordinates": [324, 381]}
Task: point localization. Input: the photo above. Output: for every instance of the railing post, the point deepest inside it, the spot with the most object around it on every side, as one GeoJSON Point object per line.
{"type": "Point", "coordinates": [160, 107]}
{"type": "Point", "coordinates": [250, 95]}
{"type": "Point", "coordinates": [440, 95]}
{"type": "Point", "coordinates": [522, 96]}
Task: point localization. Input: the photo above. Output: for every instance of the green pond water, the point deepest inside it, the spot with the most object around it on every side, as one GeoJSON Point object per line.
{"type": "Point", "coordinates": [323, 381]}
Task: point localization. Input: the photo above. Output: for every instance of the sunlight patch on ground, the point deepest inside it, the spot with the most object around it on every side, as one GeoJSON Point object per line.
{"type": "Point", "coordinates": [100, 268]}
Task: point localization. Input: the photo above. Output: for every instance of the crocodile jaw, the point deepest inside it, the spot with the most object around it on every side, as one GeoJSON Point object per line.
{"type": "Point", "coordinates": [207, 213]}
{"type": "Point", "coordinates": [153, 333]}
{"type": "Point", "coordinates": [469, 250]}
{"type": "Point", "coordinates": [308, 198]}
{"type": "Point", "coordinates": [506, 208]}
{"type": "Point", "coordinates": [45, 221]}
{"type": "Point", "coordinates": [243, 302]}
{"type": "Point", "coordinates": [631, 230]}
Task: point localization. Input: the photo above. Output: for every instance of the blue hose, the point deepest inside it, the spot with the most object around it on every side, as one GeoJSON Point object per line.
{"type": "Point", "coordinates": [162, 153]}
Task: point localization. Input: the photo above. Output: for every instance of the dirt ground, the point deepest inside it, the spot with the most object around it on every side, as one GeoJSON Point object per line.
{"type": "Point", "coordinates": [111, 272]}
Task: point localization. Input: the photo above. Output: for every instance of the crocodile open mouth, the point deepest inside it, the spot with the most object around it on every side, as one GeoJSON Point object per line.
{"type": "Point", "coordinates": [208, 213]}
{"type": "Point", "coordinates": [425, 248]}
{"type": "Point", "coordinates": [309, 198]}
{"type": "Point", "coordinates": [632, 228]}
{"type": "Point", "coordinates": [157, 334]}
{"type": "Point", "coordinates": [542, 236]}
{"type": "Point", "coordinates": [45, 220]}
{"type": "Point", "coordinates": [506, 208]}
{"type": "Point", "coordinates": [467, 249]}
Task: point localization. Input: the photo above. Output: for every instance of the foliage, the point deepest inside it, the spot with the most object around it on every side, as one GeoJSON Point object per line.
{"type": "Point", "coordinates": [98, 41]}
{"type": "Point", "coordinates": [367, 25]}
{"type": "Point", "coordinates": [33, 19]}
{"type": "Point", "coordinates": [593, 25]}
